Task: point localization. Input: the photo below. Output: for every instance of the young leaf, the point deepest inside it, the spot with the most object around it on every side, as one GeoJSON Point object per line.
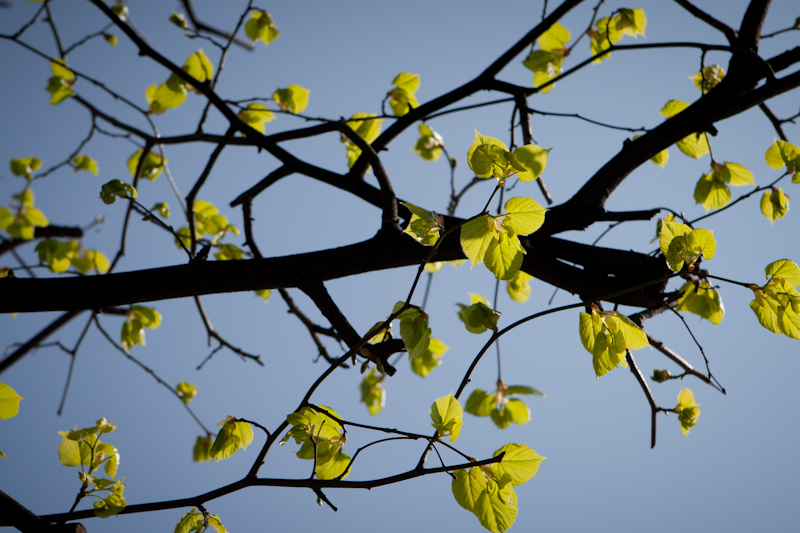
{"type": "Point", "coordinates": [261, 27]}
{"type": "Point", "coordinates": [202, 447]}
{"type": "Point", "coordinates": [293, 98]}
{"type": "Point", "coordinates": [519, 464]}
{"type": "Point", "coordinates": [113, 503]}
{"type": "Point", "coordinates": [524, 215]}
{"type": "Point", "coordinates": [519, 287]}
{"type": "Point", "coordinates": [784, 269]}
{"type": "Point", "coordinates": [497, 509]}
{"type": "Point", "coordinates": [429, 145]}
{"type": "Point", "coordinates": [446, 414]}
{"type": "Point", "coordinates": [151, 168]}
{"type": "Point", "coordinates": [165, 96]}
{"type": "Point", "coordinates": [487, 155]}
{"type": "Point", "coordinates": [533, 159]}
{"type": "Point", "coordinates": [478, 317]}
{"type": "Point", "coordinates": [476, 235]}
{"type": "Point", "coordinates": [424, 226]}
{"type": "Point", "coordinates": [783, 153]}
{"type": "Point", "coordinates": [57, 255]}
{"type": "Point", "coordinates": [687, 411]}
{"type": "Point", "coordinates": [199, 66]}
{"type": "Point", "coordinates": [229, 252]}
{"type": "Point", "coordinates": [606, 335]}
{"type": "Point", "coordinates": [9, 402]}
{"type": "Point", "coordinates": [161, 208]}
{"type": "Point", "coordinates": [186, 391]}
{"type": "Point", "coordinates": [708, 78]}
{"type": "Point", "coordinates": [402, 98]}
{"type": "Point", "coordinates": [702, 300]}
{"type": "Point", "coordinates": [372, 392]}
{"type": "Point", "coordinates": [481, 403]}
{"type": "Point", "coordinates": [425, 363]}
{"type": "Point", "coordinates": [256, 115]}
{"type": "Point", "coordinates": [25, 166]}
{"type": "Point", "coordinates": [234, 434]}
{"type": "Point", "coordinates": [467, 487]}
{"type": "Point", "coordinates": [84, 162]}
{"type": "Point", "coordinates": [513, 411]}
{"type": "Point", "coordinates": [190, 522]}
{"type": "Point", "coordinates": [367, 127]}
{"type": "Point", "coordinates": [775, 204]}
{"type": "Point", "coordinates": [504, 255]}
{"type": "Point", "coordinates": [546, 63]}
{"type": "Point", "coordinates": [264, 293]}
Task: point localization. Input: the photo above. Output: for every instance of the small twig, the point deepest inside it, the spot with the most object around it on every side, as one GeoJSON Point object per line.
{"type": "Point", "coordinates": [699, 347]}
{"type": "Point", "coordinates": [653, 407]}
{"type": "Point", "coordinates": [73, 355]}
{"type": "Point", "coordinates": [212, 333]}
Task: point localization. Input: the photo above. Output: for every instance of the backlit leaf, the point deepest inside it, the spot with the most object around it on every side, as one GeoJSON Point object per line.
{"type": "Point", "coordinates": [446, 414]}
{"type": "Point", "coordinates": [9, 402]}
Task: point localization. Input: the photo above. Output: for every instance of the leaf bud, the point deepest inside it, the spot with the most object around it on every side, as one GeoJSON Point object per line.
{"type": "Point", "coordinates": [660, 376]}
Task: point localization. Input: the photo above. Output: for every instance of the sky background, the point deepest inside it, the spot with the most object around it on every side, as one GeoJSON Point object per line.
{"type": "Point", "coordinates": [737, 471]}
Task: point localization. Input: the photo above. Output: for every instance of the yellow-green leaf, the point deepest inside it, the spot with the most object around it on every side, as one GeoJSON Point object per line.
{"type": "Point", "coordinates": [524, 216]}
{"type": "Point", "coordinates": [775, 204]}
{"type": "Point", "coordinates": [519, 464]}
{"type": "Point", "coordinates": [446, 414]}
{"type": "Point", "coordinates": [519, 287]}
{"type": "Point", "coordinates": [9, 402]}
{"type": "Point", "coordinates": [261, 27]}
{"type": "Point", "coordinates": [293, 98]}
{"type": "Point", "coordinates": [198, 66]}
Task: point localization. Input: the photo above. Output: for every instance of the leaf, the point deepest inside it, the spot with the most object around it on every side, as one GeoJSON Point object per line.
{"type": "Point", "coordinates": [186, 391]}
{"type": "Point", "coordinates": [545, 66]}
{"type": "Point", "coordinates": [424, 226]}
{"type": "Point", "coordinates": [484, 164]}
{"type": "Point", "coordinates": [784, 269]}
{"type": "Point", "coordinates": [775, 204]}
{"type": "Point", "coordinates": [255, 116]}
{"type": "Point", "coordinates": [334, 467]}
{"type": "Point", "coordinates": [513, 390]}
{"type": "Point", "coordinates": [112, 463]}
{"type": "Point", "coordinates": [150, 318]}
{"type": "Point", "coordinates": [264, 293]}
{"type": "Point", "coordinates": [497, 509]}
{"type": "Point", "coordinates": [191, 521]}
{"type": "Point", "coordinates": [110, 39]}
{"type": "Point", "coordinates": [202, 447]}
{"type": "Point", "coordinates": [606, 335]}
{"type": "Point", "coordinates": [524, 216]}
{"type": "Point", "coordinates": [151, 168]}
{"type": "Point", "coordinates": [112, 504]}
{"type": "Point", "coordinates": [69, 453]}
{"type": "Point", "coordinates": [416, 335]}
{"type": "Point", "coordinates": [711, 193]}
{"type": "Point", "coordinates": [425, 363]}
{"type": "Point", "coordinates": [261, 27]}
{"type": "Point", "coordinates": [518, 287]}
{"type": "Point", "coordinates": [199, 67]}
{"type": "Point", "coordinates": [429, 145]}
{"type": "Point", "coordinates": [25, 166]}
{"type": "Point", "coordinates": [533, 159]}
{"type": "Point", "coordinates": [514, 411]}
{"type": "Point", "coordinates": [161, 208]}
{"type": "Point", "coordinates": [480, 403]}
{"type": "Point", "coordinates": [783, 153]}
{"type": "Point", "coordinates": [165, 96]}
{"type": "Point", "coordinates": [476, 235]}
{"type": "Point", "coordinates": [446, 414]}
{"type": "Point", "coordinates": [402, 98]}
{"type": "Point", "coordinates": [673, 107]}
{"type": "Point", "coordinates": [708, 78]}
{"type": "Point", "coordinates": [84, 162]}
{"type": "Point", "coordinates": [229, 252]}
{"type": "Point", "coordinates": [9, 402]}
{"type": "Point", "coordinates": [467, 487]}
{"type": "Point", "coordinates": [234, 434]}
{"type": "Point", "coordinates": [504, 255]}
{"type": "Point", "coordinates": [367, 127]}
{"type": "Point", "coordinates": [687, 411]}
{"type": "Point", "coordinates": [372, 392]}
{"type": "Point", "coordinates": [519, 463]}
{"type": "Point", "coordinates": [293, 98]}
{"type": "Point", "coordinates": [478, 317]}
{"type": "Point", "coordinates": [702, 300]}
{"type": "Point", "coordinates": [668, 231]}
{"type": "Point", "coordinates": [57, 255]}
{"type": "Point", "coordinates": [694, 145]}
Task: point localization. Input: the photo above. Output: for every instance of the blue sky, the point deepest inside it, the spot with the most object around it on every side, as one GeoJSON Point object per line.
{"type": "Point", "coordinates": [738, 469]}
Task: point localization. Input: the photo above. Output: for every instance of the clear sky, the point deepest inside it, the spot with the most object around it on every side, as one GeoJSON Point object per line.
{"type": "Point", "coordinates": [737, 471]}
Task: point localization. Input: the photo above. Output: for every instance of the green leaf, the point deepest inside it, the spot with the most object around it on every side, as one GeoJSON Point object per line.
{"type": "Point", "coordinates": [186, 391]}
{"type": "Point", "coordinates": [424, 226]}
{"type": "Point", "coordinates": [60, 69]}
{"type": "Point", "coordinates": [293, 98]}
{"type": "Point", "coordinates": [533, 159]}
{"type": "Point", "coordinates": [190, 522]}
{"type": "Point", "coordinates": [165, 96]}
{"type": "Point", "coordinates": [255, 116]}
{"type": "Point", "coordinates": [429, 145]}
{"type": "Point", "coordinates": [367, 128]}
{"type": "Point", "coordinates": [202, 447]}
{"type": "Point", "coordinates": [467, 487]}
{"type": "Point", "coordinates": [687, 411]}
{"type": "Point", "coordinates": [702, 300]}
{"type": "Point", "coordinates": [261, 27]}
{"type": "Point", "coordinates": [25, 166]}
{"type": "Point", "coordinates": [402, 98]}
{"type": "Point", "coordinates": [784, 269]}
{"type": "Point", "coordinates": [150, 318]}
{"type": "Point", "coordinates": [264, 293]}
{"type": "Point", "coordinates": [545, 66]}
{"type": "Point", "coordinates": [84, 162]}
{"type": "Point", "coordinates": [504, 255]}
{"type": "Point", "coordinates": [668, 231]}
{"type": "Point", "coordinates": [513, 390]}
{"type": "Point", "coordinates": [3, 455]}
{"type": "Point", "coordinates": [57, 255]}
{"type": "Point", "coordinates": [199, 67]}
{"type": "Point", "coordinates": [783, 153]}
{"type": "Point", "coordinates": [631, 22]}
{"type": "Point", "coordinates": [483, 155]}
{"type": "Point", "coordinates": [737, 175]}
{"type": "Point", "coordinates": [372, 392]}
{"type": "Point", "coordinates": [9, 402]}
{"type": "Point", "coordinates": [606, 335]}
{"type": "Point", "coordinates": [446, 414]}
{"type": "Point", "coordinates": [334, 467]}
{"type": "Point", "coordinates": [673, 107]}
{"type": "Point", "coordinates": [179, 20]}
{"type": "Point", "coordinates": [694, 145]}
{"type": "Point", "coordinates": [113, 504]}
{"type": "Point", "coordinates": [425, 363]}
{"type": "Point", "coordinates": [775, 204]}
{"type": "Point", "coordinates": [524, 215]}
{"type": "Point", "coordinates": [712, 193]}
{"type": "Point", "coordinates": [69, 452]}
{"type": "Point", "coordinates": [416, 335]}
{"type": "Point", "coordinates": [234, 434]}
{"type": "Point", "coordinates": [476, 235]}
{"type": "Point", "coordinates": [229, 252]}
{"type": "Point", "coordinates": [555, 38]}
{"type": "Point", "coordinates": [497, 509]}
{"type": "Point", "coordinates": [478, 317]}
{"type": "Point", "coordinates": [308, 421]}
{"type": "Point", "coordinates": [151, 168]}
{"type": "Point", "coordinates": [481, 403]}
{"type": "Point", "coordinates": [519, 287]}
{"type": "Point", "coordinates": [6, 217]}
{"type": "Point", "coordinates": [161, 208]}
{"type": "Point", "coordinates": [110, 39]}
{"type": "Point", "coordinates": [112, 463]}
{"type": "Point", "coordinates": [519, 464]}
{"type": "Point", "coordinates": [120, 10]}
